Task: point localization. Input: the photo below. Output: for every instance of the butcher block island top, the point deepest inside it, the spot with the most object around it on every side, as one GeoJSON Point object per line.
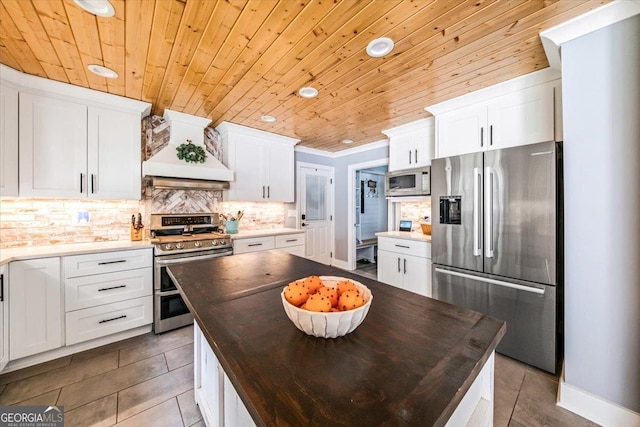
{"type": "Point", "coordinates": [409, 363]}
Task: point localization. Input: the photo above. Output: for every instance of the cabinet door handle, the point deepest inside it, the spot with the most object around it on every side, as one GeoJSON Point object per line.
{"type": "Point", "coordinates": [263, 191]}
{"type": "Point", "coordinates": [481, 137]}
{"type": "Point", "coordinates": [398, 264]}
{"type": "Point", "coordinates": [255, 244]}
{"type": "Point", "coordinates": [405, 266]}
{"type": "Point", "coordinates": [111, 320]}
{"type": "Point", "coordinates": [403, 246]}
{"type": "Point", "coordinates": [291, 240]}
{"type": "Point", "coordinates": [491, 135]}
{"type": "Point", "coordinates": [81, 183]}
{"type": "Point", "coordinates": [93, 183]}
{"type": "Point", "coordinates": [268, 191]}
{"type": "Point", "coordinates": [416, 155]}
{"type": "Point", "coordinates": [2, 287]}
{"type": "Point", "coordinates": [409, 156]}
{"type": "Point", "coordinates": [112, 262]}
{"type": "Point", "coordinates": [112, 287]}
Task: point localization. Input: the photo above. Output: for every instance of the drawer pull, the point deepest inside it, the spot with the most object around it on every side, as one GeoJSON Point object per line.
{"type": "Point", "coordinates": [112, 262]}
{"type": "Point", "coordinates": [115, 318]}
{"type": "Point", "coordinates": [112, 287]}
{"type": "Point", "coordinates": [291, 240]}
{"type": "Point", "coordinates": [403, 246]}
{"type": "Point", "coordinates": [255, 244]}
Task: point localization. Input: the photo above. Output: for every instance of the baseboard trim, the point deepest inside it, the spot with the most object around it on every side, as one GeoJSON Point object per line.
{"type": "Point", "coordinates": [344, 265]}
{"type": "Point", "coordinates": [595, 408]}
{"type": "Point", "coordinates": [47, 356]}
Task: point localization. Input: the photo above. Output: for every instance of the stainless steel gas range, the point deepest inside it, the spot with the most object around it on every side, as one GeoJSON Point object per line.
{"type": "Point", "coordinates": [178, 239]}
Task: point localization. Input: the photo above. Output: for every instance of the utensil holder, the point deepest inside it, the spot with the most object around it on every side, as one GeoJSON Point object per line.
{"type": "Point", "coordinates": [232, 227]}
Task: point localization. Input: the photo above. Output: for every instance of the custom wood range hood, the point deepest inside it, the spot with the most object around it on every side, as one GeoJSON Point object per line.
{"type": "Point", "coordinates": [166, 171]}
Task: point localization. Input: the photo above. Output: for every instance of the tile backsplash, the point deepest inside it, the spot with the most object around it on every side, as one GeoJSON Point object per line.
{"type": "Point", "coordinates": [416, 211]}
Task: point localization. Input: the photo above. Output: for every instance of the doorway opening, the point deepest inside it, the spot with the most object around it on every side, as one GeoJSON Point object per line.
{"type": "Point", "coordinates": [368, 215]}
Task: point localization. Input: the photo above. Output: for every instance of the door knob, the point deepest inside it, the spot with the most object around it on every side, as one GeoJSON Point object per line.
{"type": "Point", "coordinates": [303, 224]}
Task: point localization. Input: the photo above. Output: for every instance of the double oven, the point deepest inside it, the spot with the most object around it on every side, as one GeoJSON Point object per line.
{"type": "Point", "coordinates": [179, 239]}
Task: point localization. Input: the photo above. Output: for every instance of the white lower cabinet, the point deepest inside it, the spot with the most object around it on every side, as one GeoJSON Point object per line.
{"type": "Point", "coordinates": [405, 264]}
{"type": "Point", "coordinates": [218, 400]}
{"type": "Point", "coordinates": [4, 316]}
{"type": "Point", "coordinates": [106, 293]}
{"type": "Point", "coordinates": [292, 243]}
{"type": "Point", "coordinates": [107, 319]}
{"type": "Point", "coordinates": [35, 307]}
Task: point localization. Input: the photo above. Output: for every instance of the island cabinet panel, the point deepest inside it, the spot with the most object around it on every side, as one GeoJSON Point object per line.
{"type": "Point", "coordinates": [215, 395]}
{"type": "Point", "coordinates": [35, 307]}
{"type": "Point", "coordinates": [410, 362]}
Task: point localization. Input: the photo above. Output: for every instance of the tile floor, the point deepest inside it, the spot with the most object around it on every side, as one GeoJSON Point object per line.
{"type": "Point", "coordinates": [148, 381]}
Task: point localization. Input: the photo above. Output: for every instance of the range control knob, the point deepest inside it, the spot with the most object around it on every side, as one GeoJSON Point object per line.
{"type": "Point", "coordinates": [197, 244]}
{"type": "Point", "coordinates": [179, 245]}
{"type": "Point", "coordinates": [168, 246]}
{"type": "Point", "coordinates": [215, 242]}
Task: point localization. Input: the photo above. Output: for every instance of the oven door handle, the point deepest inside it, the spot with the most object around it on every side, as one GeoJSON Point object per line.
{"type": "Point", "coordinates": [167, 293]}
{"type": "Point", "coordinates": [182, 260]}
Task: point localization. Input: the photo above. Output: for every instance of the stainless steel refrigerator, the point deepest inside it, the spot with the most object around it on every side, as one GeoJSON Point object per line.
{"type": "Point", "coordinates": [497, 243]}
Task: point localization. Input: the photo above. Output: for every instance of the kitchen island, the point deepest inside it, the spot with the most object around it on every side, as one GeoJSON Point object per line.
{"type": "Point", "coordinates": [413, 361]}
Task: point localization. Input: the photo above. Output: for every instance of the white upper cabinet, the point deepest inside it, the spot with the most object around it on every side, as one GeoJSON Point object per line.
{"type": "Point", "coordinates": [8, 141]}
{"type": "Point", "coordinates": [114, 154]}
{"type": "Point", "coordinates": [70, 150]}
{"type": "Point", "coordinates": [263, 164]}
{"type": "Point", "coordinates": [521, 111]}
{"type": "Point", "coordinates": [520, 118]}
{"type": "Point", "coordinates": [411, 145]}
{"type": "Point", "coordinates": [53, 147]}
{"type": "Point", "coordinates": [60, 140]}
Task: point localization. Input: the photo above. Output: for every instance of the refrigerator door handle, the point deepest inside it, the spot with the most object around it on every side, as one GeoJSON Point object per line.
{"type": "Point", "coordinates": [488, 214]}
{"type": "Point", "coordinates": [477, 208]}
{"type": "Point", "coordinates": [492, 281]}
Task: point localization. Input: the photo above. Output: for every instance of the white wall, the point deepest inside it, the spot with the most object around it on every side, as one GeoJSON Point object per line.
{"type": "Point", "coordinates": [601, 93]}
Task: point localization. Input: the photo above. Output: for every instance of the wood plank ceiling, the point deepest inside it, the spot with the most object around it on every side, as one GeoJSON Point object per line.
{"type": "Point", "coordinates": [237, 60]}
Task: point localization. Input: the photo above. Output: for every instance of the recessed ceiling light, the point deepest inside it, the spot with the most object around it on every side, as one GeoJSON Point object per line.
{"type": "Point", "coordinates": [308, 92]}
{"type": "Point", "coordinates": [103, 71]}
{"type": "Point", "coordinates": [268, 119]}
{"type": "Point", "coordinates": [347, 141]}
{"type": "Point", "coordinates": [97, 7]}
{"type": "Point", "coordinates": [379, 47]}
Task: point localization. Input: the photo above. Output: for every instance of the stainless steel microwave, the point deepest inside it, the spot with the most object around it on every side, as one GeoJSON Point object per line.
{"type": "Point", "coordinates": [408, 182]}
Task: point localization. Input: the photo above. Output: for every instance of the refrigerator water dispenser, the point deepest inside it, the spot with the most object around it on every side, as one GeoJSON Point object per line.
{"type": "Point", "coordinates": [450, 210]}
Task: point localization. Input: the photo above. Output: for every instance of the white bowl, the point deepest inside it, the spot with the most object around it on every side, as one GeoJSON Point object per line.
{"type": "Point", "coordinates": [332, 324]}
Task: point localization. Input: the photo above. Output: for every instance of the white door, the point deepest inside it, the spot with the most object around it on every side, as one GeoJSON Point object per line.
{"type": "Point", "coordinates": [316, 211]}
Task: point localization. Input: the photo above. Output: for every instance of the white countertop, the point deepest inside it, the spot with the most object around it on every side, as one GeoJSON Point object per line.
{"type": "Point", "coordinates": [247, 234]}
{"type": "Point", "coordinates": [407, 235]}
{"type": "Point", "coordinates": [30, 252]}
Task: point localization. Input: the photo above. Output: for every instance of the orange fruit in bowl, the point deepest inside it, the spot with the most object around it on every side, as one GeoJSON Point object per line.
{"type": "Point", "coordinates": [313, 283]}
{"type": "Point", "coordinates": [330, 293]}
{"type": "Point", "coordinates": [350, 300]}
{"type": "Point", "coordinates": [296, 293]}
{"type": "Point", "coordinates": [318, 302]}
{"type": "Point", "coordinates": [344, 286]}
